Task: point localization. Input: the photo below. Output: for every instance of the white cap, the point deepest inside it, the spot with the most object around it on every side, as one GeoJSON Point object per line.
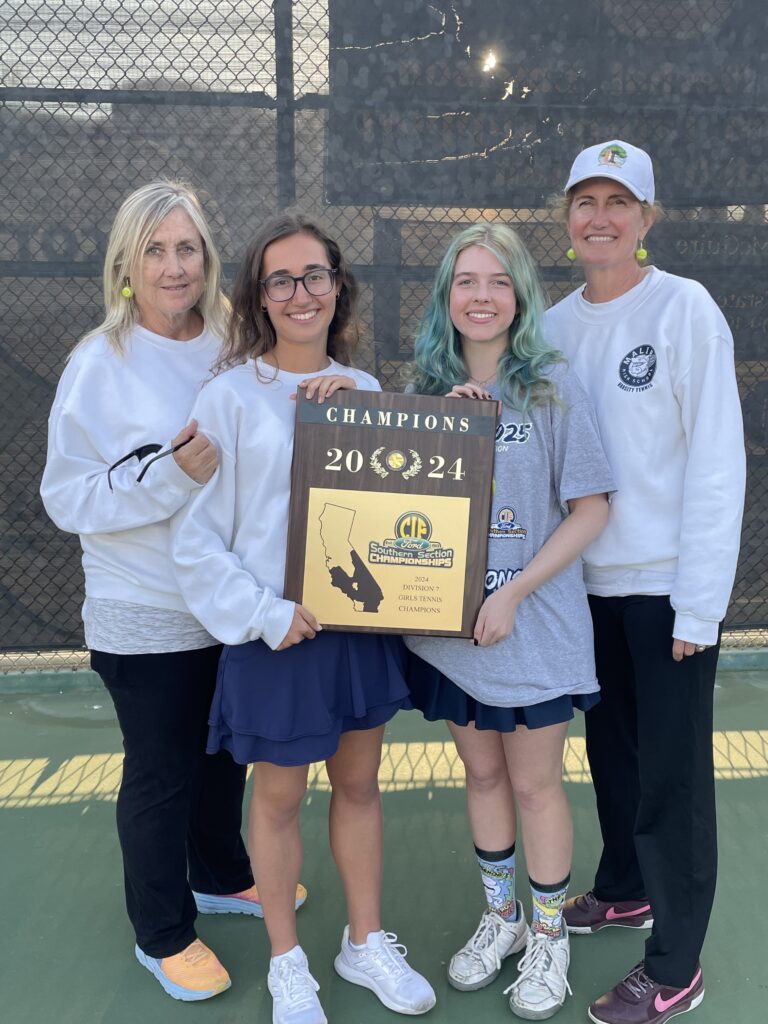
{"type": "Point", "coordinates": [627, 164]}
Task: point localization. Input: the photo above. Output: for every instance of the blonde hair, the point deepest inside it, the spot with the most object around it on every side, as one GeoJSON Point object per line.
{"type": "Point", "coordinates": [135, 222]}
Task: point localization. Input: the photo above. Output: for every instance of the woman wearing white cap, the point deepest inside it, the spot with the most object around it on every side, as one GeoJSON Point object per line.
{"type": "Point", "coordinates": [656, 357]}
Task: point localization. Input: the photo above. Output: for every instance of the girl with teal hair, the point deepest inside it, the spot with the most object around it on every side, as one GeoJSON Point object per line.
{"type": "Point", "coordinates": [523, 356]}
{"type": "Point", "coordinates": [508, 693]}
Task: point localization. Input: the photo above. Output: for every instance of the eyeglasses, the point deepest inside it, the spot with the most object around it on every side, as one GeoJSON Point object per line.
{"type": "Point", "coordinates": [281, 287]}
{"type": "Point", "coordinates": [155, 450]}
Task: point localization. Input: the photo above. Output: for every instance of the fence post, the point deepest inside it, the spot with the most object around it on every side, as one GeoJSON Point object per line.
{"type": "Point", "coordinates": [286, 159]}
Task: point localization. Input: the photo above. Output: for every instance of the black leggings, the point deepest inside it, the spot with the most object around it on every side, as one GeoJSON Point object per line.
{"type": "Point", "coordinates": [649, 743]}
{"type": "Point", "coordinates": [178, 809]}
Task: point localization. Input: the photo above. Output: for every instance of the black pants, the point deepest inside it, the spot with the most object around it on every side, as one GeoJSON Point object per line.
{"type": "Point", "coordinates": [649, 743]}
{"type": "Point", "coordinates": [179, 809]}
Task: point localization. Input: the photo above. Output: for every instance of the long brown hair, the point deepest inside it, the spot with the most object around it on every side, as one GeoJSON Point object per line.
{"type": "Point", "coordinates": [250, 332]}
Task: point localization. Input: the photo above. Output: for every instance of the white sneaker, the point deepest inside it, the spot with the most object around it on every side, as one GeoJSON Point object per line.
{"type": "Point", "coordinates": [294, 990]}
{"type": "Point", "coordinates": [478, 963]}
{"type": "Point", "coordinates": [540, 990]}
{"type": "Point", "coordinates": [381, 966]}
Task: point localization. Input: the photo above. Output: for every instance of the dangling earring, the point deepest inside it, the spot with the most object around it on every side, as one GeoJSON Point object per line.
{"type": "Point", "coordinates": [126, 291]}
{"type": "Point", "coordinates": [641, 253]}
{"type": "Point", "coordinates": [571, 254]}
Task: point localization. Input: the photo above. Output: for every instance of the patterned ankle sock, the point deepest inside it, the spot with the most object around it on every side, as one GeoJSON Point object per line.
{"type": "Point", "coordinates": [498, 873]}
{"type": "Point", "coordinates": [548, 903]}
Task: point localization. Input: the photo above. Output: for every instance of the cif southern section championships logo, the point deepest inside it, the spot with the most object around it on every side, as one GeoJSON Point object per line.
{"type": "Point", "coordinates": [506, 524]}
{"type": "Point", "coordinates": [412, 544]}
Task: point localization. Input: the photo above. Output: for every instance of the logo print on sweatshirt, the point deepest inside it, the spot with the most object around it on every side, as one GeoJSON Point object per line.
{"type": "Point", "coordinates": [637, 369]}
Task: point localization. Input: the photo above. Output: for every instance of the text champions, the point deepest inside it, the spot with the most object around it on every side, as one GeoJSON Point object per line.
{"type": "Point", "coordinates": [398, 420]}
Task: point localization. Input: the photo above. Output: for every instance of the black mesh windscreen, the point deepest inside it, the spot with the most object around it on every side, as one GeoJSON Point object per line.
{"type": "Point", "coordinates": [395, 123]}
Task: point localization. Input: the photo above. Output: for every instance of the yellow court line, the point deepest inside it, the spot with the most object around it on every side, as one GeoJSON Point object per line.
{"type": "Point", "coordinates": [30, 782]}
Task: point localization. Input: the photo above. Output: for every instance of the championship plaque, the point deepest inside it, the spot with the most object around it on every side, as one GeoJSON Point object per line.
{"type": "Point", "coordinates": [390, 501]}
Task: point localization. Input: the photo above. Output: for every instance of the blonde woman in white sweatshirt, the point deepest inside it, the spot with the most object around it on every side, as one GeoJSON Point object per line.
{"type": "Point", "coordinates": [122, 458]}
{"type": "Point", "coordinates": [656, 357]}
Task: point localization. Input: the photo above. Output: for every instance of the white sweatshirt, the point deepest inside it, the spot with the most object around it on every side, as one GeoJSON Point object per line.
{"type": "Point", "coordinates": [229, 541]}
{"type": "Point", "coordinates": [658, 366]}
{"type": "Point", "coordinates": [107, 405]}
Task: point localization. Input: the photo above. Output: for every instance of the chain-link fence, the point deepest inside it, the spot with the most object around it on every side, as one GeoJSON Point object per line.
{"type": "Point", "coordinates": [398, 123]}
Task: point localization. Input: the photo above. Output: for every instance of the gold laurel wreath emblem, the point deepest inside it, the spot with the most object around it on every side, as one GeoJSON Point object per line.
{"type": "Point", "coordinates": [380, 470]}
{"type": "Point", "coordinates": [415, 466]}
{"type": "Point", "coordinates": [376, 466]}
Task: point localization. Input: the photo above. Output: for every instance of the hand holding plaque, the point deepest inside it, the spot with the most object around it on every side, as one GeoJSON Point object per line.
{"type": "Point", "coordinates": [390, 500]}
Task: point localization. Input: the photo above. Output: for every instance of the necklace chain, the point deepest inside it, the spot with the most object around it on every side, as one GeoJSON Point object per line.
{"type": "Point", "coordinates": [483, 383]}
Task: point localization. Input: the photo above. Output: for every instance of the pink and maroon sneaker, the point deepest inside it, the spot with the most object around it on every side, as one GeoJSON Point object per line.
{"type": "Point", "coordinates": [586, 914]}
{"type": "Point", "coordinates": [640, 1000]}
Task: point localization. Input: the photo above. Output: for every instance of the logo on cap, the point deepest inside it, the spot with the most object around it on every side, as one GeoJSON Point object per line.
{"type": "Point", "coordinates": [614, 155]}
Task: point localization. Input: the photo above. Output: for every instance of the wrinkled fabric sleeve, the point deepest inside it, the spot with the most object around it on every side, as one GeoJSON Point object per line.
{"type": "Point", "coordinates": [75, 487]}
{"type": "Point", "coordinates": [713, 494]}
{"type": "Point", "coordinates": [219, 591]}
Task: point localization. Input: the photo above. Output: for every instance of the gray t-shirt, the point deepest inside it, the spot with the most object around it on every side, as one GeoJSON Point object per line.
{"type": "Point", "coordinates": [544, 457]}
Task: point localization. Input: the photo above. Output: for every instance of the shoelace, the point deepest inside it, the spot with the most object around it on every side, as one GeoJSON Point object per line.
{"type": "Point", "coordinates": [534, 963]}
{"type": "Point", "coordinates": [390, 956]}
{"type": "Point", "coordinates": [637, 981]}
{"type": "Point", "coordinates": [296, 984]}
{"type": "Point", "coordinates": [588, 901]}
{"type": "Point", "coordinates": [484, 938]}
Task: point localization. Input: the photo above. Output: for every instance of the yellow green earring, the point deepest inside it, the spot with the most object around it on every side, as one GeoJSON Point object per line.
{"type": "Point", "coordinates": [571, 254]}
{"type": "Point", "coordinates": [126, 291]}
{"type": "Point", "coordinates": [641, 253]}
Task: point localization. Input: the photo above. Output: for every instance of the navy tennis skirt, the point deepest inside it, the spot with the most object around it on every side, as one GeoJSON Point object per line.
{"type": "Point", "coordinates": [290, 707]}
{"type": "Point", "coordinates": [439, 698]}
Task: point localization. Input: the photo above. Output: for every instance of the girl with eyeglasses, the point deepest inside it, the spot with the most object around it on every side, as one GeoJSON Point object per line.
{"type": "Point", "coordinates": [289, 694]}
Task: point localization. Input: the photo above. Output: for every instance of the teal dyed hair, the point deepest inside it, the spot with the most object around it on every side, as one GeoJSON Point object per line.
{"type": "Point", "coordinates": [439, 363]}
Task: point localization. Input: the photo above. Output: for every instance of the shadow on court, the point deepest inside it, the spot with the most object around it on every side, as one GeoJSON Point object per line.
{"type": "Point", "coordinates": [66, 945]}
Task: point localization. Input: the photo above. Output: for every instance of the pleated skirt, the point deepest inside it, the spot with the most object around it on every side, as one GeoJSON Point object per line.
{"type": "Point", "coordinates": [291, 707]}
{"type": "Point", "coordinates": [439, 698]}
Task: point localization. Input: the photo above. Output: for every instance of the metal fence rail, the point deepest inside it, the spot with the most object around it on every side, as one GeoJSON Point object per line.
{"type": "Point", "coordinates": [397, 124]}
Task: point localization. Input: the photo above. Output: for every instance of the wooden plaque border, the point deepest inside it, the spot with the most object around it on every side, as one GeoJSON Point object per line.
{"type": "Point", "coordinates": [415, 423]}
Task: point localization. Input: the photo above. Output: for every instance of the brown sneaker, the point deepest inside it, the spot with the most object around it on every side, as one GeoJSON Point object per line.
{"type": "Point", "coordinates": [194, 973]}
{"type": "Point", "coordinates": [586, 914]}
{"type": "Point", "coordinates": [640, 1000]}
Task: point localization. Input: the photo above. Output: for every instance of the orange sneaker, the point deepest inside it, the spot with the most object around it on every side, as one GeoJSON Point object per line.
{"type": "Point", "coordinates": [245, 902]}
{"type": "Point", "coordinates": [194, 973]}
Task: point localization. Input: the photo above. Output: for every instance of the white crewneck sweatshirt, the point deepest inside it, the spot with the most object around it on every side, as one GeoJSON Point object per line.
{"type": "Point", "coordinates": [107, 405]}
{"type": "Point", "coordinates": [229, 541]}
{"type": "Point", "coordinates": [658, 366]}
